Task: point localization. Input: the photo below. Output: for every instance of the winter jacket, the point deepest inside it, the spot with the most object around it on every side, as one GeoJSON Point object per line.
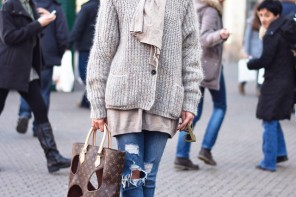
{"type": "Point", "coordinates": [83, 30]}
{"type": "Point", "coordinates": [54, 38]}
{"type": "Point", "coordinates": [212, 45]}
{"type": "Point", "coordinates": [19, 45]}
{"type": "Point", "coordinates": [276, 99]}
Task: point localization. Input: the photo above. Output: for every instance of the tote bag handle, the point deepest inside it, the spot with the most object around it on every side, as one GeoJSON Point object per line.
{"type": "Point", "coordinates": [84, 149]}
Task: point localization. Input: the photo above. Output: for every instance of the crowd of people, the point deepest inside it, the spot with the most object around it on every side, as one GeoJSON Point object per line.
{"type": "Point", "coordinates": [146, 68]}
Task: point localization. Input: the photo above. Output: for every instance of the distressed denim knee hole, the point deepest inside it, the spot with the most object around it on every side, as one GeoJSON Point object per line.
{"type": "Point", "coordinates": [136, 178]}
{"type": "Point", "coordinates": [132, 149]}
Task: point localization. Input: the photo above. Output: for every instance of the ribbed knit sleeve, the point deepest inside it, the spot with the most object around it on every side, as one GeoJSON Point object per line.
{"type": "Point", "coordinates": [106, 40]}
{"type": "Point", "coordinates": [191, 69]}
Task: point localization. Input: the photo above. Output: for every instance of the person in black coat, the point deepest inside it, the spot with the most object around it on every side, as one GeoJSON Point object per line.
{"type": "Point", "coordinates": [82, 37]}
{"type": "Point", "coordinates": [20, 62]}
{"type": "Point", "coordinates": [276, 99]}
{"type": "Point", "coordinates": [54, 42]}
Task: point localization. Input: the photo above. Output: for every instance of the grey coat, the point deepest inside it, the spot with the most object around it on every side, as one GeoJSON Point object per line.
{"type": "Point", "coordinates": [211, 42]}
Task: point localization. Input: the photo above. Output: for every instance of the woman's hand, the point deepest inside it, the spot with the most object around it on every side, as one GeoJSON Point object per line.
{"type": "Point", "coordinates": [99, 124]}
{"type": "Point", "coordinates": [42, 11]}
{"type": "Point", "coordinates": [224, 34]}
{"type": "Point", "coordinates": [187, 118]}
{"type": "Point", "coordinates": [45, 17]}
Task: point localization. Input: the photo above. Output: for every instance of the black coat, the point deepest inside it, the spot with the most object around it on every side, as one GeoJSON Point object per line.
{"type": "Point", "coordinates": [84, 27]}
{"type": "Point", "coordinates": [276, 99]}
{"type": "Point", "coordinates": [19, 46]}
{"type": "Point", "coordinates": [54, 37]}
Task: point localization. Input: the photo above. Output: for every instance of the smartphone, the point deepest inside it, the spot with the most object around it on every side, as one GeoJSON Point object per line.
{"type": "Point", "coordinates": [53, 12]}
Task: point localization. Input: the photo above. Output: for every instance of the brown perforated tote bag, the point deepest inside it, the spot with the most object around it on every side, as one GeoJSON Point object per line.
{"type": "Point", "coordinates": [96, 171]}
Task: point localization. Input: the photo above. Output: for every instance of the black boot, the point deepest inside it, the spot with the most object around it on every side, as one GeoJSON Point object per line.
{"type": "Point", "coordinates": [55, 161]}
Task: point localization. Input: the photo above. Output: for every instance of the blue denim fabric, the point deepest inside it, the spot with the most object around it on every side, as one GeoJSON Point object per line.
{"type": "Point", "coordinates": [143, 153]}
{"type": "Point", "coordinates": [273, 144]}
{"type": "Point", "coordinates": [215, 122]}
{"type": "Point", "coordinates": [83, 59]}
{"type": "Point", "coordinates": [46, 77]}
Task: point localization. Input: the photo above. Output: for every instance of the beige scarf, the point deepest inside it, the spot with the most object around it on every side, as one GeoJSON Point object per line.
{"type": "Point", "coordinates": [147, 26]}
{"type": "Point", "coordinates": [262, 32]}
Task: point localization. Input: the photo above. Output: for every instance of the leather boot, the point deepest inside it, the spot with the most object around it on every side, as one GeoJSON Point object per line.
{"type": "Point", "coordinates": [185, 164]}
{"type": "Point", "coordinates": [206, 156]}
{"type": "Point", "coordinates": [55, 161]}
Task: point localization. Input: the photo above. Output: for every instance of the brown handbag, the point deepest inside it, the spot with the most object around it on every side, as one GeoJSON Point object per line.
{"type": "Point", "coordinates": [95, 171]}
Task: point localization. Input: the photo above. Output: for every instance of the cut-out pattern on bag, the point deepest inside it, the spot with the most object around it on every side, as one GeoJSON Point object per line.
{"type": "Point", "coordinates": [95, 180]}
{"type": "Point", "coordinates": [75, 191]}
{"type": "Point", "coordinates": [74, 165]}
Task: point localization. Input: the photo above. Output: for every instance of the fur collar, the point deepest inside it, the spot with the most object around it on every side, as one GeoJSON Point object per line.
{"type": "Point", "coordinates": [215, 4]}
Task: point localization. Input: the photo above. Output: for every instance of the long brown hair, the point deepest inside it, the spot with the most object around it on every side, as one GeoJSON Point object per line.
{"type": "Point", "coordinates": [256, 21]}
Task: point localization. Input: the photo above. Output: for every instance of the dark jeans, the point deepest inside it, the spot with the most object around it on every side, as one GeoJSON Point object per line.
{"type": "Point", "coordinates": [211, 134]}
{"type": "Point", "coordinates": [46, 82]}
{"type": "Point", "coordinates": [83, 59]}
{"type": "Point", "coordinates": [33, 97]}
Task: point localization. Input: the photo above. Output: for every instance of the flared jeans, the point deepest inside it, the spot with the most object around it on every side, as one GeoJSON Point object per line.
{"type": "Point", "coordinates": [273, 144]}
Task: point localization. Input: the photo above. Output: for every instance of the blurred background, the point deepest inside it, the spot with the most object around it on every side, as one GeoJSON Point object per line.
{"type": "Point", "coordinates": [235, 14]}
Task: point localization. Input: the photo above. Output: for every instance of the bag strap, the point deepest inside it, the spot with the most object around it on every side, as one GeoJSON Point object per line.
{"type": "Point", "coordinates": [84, 149]}
{"type": "Point", "coordinates": [106, 130]}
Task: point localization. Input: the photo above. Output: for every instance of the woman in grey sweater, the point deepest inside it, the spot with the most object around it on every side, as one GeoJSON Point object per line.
{"type": "Point", "coordinates": [143, 74]}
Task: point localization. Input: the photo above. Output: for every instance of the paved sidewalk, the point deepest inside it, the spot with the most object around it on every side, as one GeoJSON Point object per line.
{"type": "Point", "coordinates": [23, 168]}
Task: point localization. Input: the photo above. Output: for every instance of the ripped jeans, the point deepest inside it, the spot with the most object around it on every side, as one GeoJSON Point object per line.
{"type": "Point", "coordinates": [143, 154]}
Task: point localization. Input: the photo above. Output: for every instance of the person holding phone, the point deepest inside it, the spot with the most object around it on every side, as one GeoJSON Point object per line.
{"type": "Point", "coordinates": [20, 66]}
{"type": "Point", "coordinates": [53, 43]}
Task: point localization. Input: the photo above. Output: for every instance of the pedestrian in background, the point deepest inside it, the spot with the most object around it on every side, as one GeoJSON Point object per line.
{"type": "Point", "coordinates": [82, 37]}
{"type": "Point", "coordinates": [276, 99]}
{"type": "Point", "coordinates": [212, 37]}
{"type": "Point", "coordinates": [252, 45]}
{"type": "Point", "coordinates": [143, 74]}
{"type": "Point", "coordinates": [53, 45]}
{"type": "Point", "coordinates": [288, 6]}
{"type": "Point", "coordinates": [20, 64]}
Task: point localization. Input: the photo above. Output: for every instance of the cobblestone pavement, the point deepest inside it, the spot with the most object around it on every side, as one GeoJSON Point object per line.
{"type": "Point", "coordinates": [238, 149]}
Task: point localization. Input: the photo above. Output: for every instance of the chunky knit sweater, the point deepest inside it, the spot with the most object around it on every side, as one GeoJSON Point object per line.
{"type": "Point", "coordinates": [119, 75]}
